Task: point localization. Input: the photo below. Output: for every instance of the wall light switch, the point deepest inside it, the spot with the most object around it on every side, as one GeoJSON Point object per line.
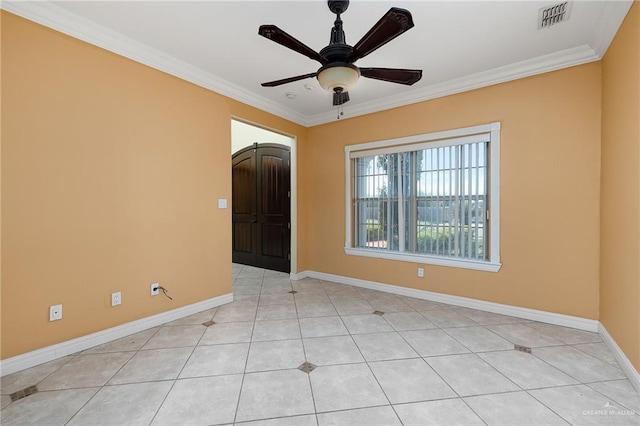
{"type": "Point", "coordinates": [222, 203]}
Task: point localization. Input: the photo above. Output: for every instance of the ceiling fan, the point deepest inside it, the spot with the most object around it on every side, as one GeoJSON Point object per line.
{"type": "Point", "coordinates": [338, 73]}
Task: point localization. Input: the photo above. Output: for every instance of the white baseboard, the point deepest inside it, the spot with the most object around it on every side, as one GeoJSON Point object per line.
{"type": "Point", "coordinates": [49, 353]}
{"type": "Point", "coordinates": [497, 308]}
{"type": "Point", "coordinates": [625, 364]}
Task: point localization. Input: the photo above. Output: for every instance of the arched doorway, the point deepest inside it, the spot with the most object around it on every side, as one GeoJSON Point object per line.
{"type": "Point", "coordinates": [261, 206]}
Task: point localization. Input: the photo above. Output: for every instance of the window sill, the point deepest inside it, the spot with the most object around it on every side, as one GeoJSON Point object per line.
{"type": "Point", "coordinates": [427, 260]}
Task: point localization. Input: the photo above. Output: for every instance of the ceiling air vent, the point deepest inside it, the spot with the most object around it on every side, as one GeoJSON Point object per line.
{"type": "Point", "coordinates": [551, 15]}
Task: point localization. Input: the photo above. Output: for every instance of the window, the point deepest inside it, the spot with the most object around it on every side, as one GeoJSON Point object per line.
{"type": "Point", "coordinates": [430, 198]}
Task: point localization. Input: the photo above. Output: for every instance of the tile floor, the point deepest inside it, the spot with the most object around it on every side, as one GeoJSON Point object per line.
{"type": "Point", "coordinates": [319, 353]}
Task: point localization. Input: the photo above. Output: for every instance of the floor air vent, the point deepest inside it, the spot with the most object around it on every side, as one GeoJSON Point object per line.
{"type": "Point", "coordinates": [520, 348]}
{"type": "Point", "coordinates": [23, 393]}
{"type": "Point", "coordinates": [551, 15]}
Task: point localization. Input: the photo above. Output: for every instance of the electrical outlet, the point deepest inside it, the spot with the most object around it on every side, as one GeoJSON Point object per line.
{"type": "Point", "coordinates": [155, 289]}
{"type": "Point", "coordinates": [55, 312]}
{"type": "Point", "coordinates": [421, 272]}
{"type": "Point", "coordinates": [116, 298]}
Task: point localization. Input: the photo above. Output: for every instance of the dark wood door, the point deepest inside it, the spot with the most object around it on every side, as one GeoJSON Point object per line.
{"type": "Point", "coordinates": [261, 207]}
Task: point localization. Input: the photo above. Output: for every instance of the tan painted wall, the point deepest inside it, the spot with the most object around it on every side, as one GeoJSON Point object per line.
{"type": "Point", "coordinates": [549, 188]}
{"type": "Point", "coordinates": [110, 171]}
{"type": "Point", "coordinates": [620, 208]}
{"type": "Point", "coordinates": [110, 175]}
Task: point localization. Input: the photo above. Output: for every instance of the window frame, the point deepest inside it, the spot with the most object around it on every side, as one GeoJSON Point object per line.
{"type": "Point", "coordinates": [432, 140]}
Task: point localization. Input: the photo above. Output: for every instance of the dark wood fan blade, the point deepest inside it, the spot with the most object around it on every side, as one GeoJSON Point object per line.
{"type": "Point", "coordinates": [276, 34]}
{"type": "Point", "coordinates": [287, 80]}
{"type": "Point", "coordinates": [340, 98]}
{"type": "Point", "coordinates": [391, 25]}
{"type": "Point", "coordinates": [393, 75]}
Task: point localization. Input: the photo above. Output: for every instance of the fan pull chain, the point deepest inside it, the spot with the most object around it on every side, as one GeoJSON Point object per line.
{"type": "Point", "coordinates": [340, 111]}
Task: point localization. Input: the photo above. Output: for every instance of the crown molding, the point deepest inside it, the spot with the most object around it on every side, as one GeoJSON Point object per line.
{"type": "Point", "coordinates": [542, 64]}
{"type": "Point", "coordinates": [612, 17]}
{"type": "Point", "coordinates": [59, 19]}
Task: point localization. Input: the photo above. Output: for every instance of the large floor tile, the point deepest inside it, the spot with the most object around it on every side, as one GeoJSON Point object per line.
{"type": "Point", "coordinates": [450, 412]}
{"type": "Point", "coordinates": [133, 404]}
{"type": "Point", "coordinates": [360, 324]}
{"type": "Point", "coordinates": [410, 380]}
{"type": "Point", "coordinates": [274, 394]}
{"type": "Point", "coordinates": [488, 318]}
{"type": "Point", "coordinates": [307, 284]}
{"type": "Point", "coordinates": [579, 365]}
{"type": "Point", "coordinates": [469, 375]}
{"type": "Point", "coordinates": [621, 392]}
{"type": "Point", "coordinates": [376, 416]}
{"type": "Point", "coordinates": [322, 326]}
{"type": "Point", "coordinates": [526, 370]}
{"type": "Point", "coordinates": [5, 400]}
{"type": "Point", "coordinates": [521, 334]}
{"type": "Point", "coordinates": [216, 360]}
{"type": "Point", "coordinates": [312, 297]}
{"type": "Point", "coordinates": [332, 350]}
{"type": "Point", "coordinates": [383, 346]}
{"type": "Point", "coordinates": [598, 350]}
{"type": "Point", "coordinates": [276, 283]}
{"type": "Point", "coordinates": [388, 305]}
{"type": "Point", "coordinates": [195, 319]}
{"type": "Point", "coordinates": [479, 339]}
{"type": "Point", "coordinates": [152, 365]}
{"type": "Point", "coordinates": [283, 298]}
{"type": "Point", "coordinates": [133, 342]}
{"type": "Point", "coordinates": [445, 318]}
{"type": "Point", "coordinates": [513, 409]}
{"type": "Point", "coordinates": [568, 336]}
{"type": "Point", "coordinates": [335, 288]}
{"type": "Point", "coordinates": [342, 387]}
{"type": "Point", "coordinates": [246, 300]}
{"type": "Point", "coordinates": [352, 306]}
{"type": "Point", "coordinates": [86, 371]}
{"type": "Point", "coordinates": [247, 271]}
{"type": "Point", "coordinates": [245, 290]}
{"type": "Point", "coordinates": [433, 342]}
{"type": "Point", "coordinates": [276, 312]}
{"type": "Point", "coordinates": [233, 332]}
{"type": "Point", "coordinates": [581, 405]}
{"type": "Point", "coordinates": [313, 310]}
{"type": "Point", "coordinates": [276, 330]}
{"type": "Point", "coordinates": [405, 321]}
{"type": "Point", "coordinates": [51, 408]}
{"type": "Point", "coordinates": [425, 305]}
{"type": "Point", "coordinates": [275, 355]}
{"type": "Point", "coordinates": [205, 401]}
{"type": "Point", "coordinates": [31, 376]}
{"type": "Point", "coordinates": [235, 314]}
{"type": "Point", "coordinates": [308, 420]}
{"type": "Point", "coordinates": [176, 337]}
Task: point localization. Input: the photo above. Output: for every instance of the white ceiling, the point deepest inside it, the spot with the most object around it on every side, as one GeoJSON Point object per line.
{"type": "Point", "coordinates": [459, 45]}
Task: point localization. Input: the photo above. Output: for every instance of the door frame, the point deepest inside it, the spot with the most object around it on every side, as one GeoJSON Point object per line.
{"type": "Point", "coordinates": [294, 187]}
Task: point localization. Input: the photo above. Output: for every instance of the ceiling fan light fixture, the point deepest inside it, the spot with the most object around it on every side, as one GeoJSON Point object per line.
{"type": "Point", "coordinates": [340, 76]}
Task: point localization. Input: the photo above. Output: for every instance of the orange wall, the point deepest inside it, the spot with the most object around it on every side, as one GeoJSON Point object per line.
{"type": "Point", "coordinates": [620, 208]}
{"type": "Point", "coordinates": [110, 175]}
{"type": "Point", "coordinates": [110, 172]}
{"type": "Point", "coordinates": [550, 148]}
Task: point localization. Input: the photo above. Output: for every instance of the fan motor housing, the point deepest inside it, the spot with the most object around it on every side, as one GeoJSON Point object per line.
{"type": "Point", "coordinates": [338, 7]}
{"type": "Point", "coordinates": [337, 52]}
